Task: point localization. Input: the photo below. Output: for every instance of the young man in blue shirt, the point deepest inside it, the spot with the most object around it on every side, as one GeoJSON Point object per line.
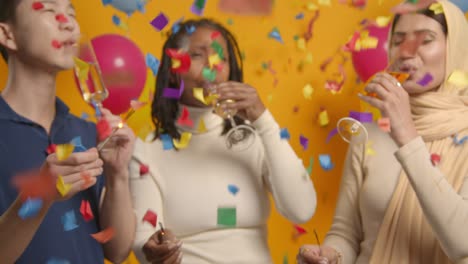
{"type": "Point", "coordinates": [38, 37]}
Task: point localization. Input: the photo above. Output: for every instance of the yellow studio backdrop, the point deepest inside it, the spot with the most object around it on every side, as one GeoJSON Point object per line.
{"type": "Point", "coordinates": [284, 97]}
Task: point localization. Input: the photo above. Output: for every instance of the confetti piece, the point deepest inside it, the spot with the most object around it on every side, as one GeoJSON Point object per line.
{"type": "Point", "coordinates": [37, 6]}
{"type": "Point", "coordinates": [309, 58]}
{"type": "Point", "coordinates": [233, 189]}
{"type": "Point", "coordinates": [426, 80]}
{"type": "Point", "coordinates": [227, 217]}
{"type": "Point", "coordinates": [325, 162]}
{"type": "Point", "coordinates": [78, 145]}
{"type": "Point", "coordinates": [144, 169]}
{"type": "Point", "coordinates": [275, 34]}
{"type": "Point", "coordinates": [57, 261]}
{"type": "Point", "coordinates": [176, 26]}
{"type": "Point", "coordinates": [56, 44]}
{"type": "Point", "coordinates": [81, 69]}
{"type": "Point", "coordinates": [153, 63]}
{"type": "Point", "coordinates": [458, 78]}
{"type": "Point", "coordinates": [51, 149]}
{"type": "Point", "coordinates": [190, 29]}
{"type": "Point", "coordinates": [216, 46]}
{"type": "Point", "coordinates": [30, 208]}
{"type": "Point", "coordinates": [304, 142]}
{"type": "Point", "coordinates": [183, 59]}
{"type": "Point", "coordinates": [86, 211]}
{"type": "Point", "coordinates": [64, 151]}
{"type": "Point", "coordinates": [459, 141]}
{"type": "Point", "coordinates": [308, 91]}
{"type": "Point", "coordinates": [363, 117]}
{"type": "Point", "coordinates": [62, 187]}
{"type": "Point", "coordinates": [184, 118]}
{"type": "Point", "coordinates": [35, 185]}
{"type": "Point", "coordinates": [184, 140]}
{"type": "Point", "coordinates": [309, 168]}
{"type": "Point", "coordinates": [436, 8]}
{"type": "Point", "coordinates": [209, 75]}
{"type": "Point", "coordinates": [323, 118]}
{"type": "Point", "coordinates": [284, 134]}
{"type": "Point", "coordinates": [116, 20]}
{"type": "Point", "coordinates": [201, 126]}
{"type": "Point", "coordinates": [309, 34]}
{"type": "Point", "coordinates": [324, 2]}
{"type": "Point", "coordinates": [435, 159]}
{"type": "Point", "coordinates": [174, 93]}
{"type": "Point", "coordinates": [69, 221]}
{"type": "Point", "coordinates": [61, 18]}
{"type": "Point", "coordinates": [300, 16]}
{"type": "Point", "coordinates": [384, 124]}
{"type": "Point", "coordinates": [331, 134]}
{"type": "Point", "coordinates": [150, 217]}
{"type": "Point", "coordinates": [198, 93]}
{"type": "Point", "coordinates": [103, 129]}
{"type": "Point", "coordinates": [214, 60]}
{"type": "Point", "coordinates": [383, 21]}
{"type": "Point", "coordinates": [230, 21]}
{"type": "Point", "coordinates": [312, 7]}
{"type": "Point", "coordinates": [301, 44]}
{"type": "Point", "coordinates": [167, 142]}
{"type": "Point", "coordinates": [87, 180]}
{"type": "Point", "coordinates": [104, 236]}
{"type": "Point", "coordinates": [198, 7]}
{"type": "Point", "coordinates": [160, 21]}
{"type": "Point", "coordinates": [84, 116]}
{"type": "Point", "coordinates": [300, 230]}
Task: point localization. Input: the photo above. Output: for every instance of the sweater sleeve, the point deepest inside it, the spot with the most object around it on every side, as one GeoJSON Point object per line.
{"type": "Point", "coordinates": [445, 209]}
{"type": "Point", "coordinates": [346, 231]}
{"type": "Point", "coordinates": [284, 173]}
{"type": "Point", "coordinates": [146, 195]}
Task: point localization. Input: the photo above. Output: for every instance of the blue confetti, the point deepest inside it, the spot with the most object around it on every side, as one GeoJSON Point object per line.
{"type": "Point", "coordinates": [459, 141]}
{"type": "Point", "coordinates": [84, 116]}
{"type": "Point", "coordinates": [30, 208]}
{"type": "Point", "coordinates": [284, 133]}
{"type": "Point", "coordinates": [78, 145]}
{"type": "Point", "coordinates": [190, 29]}
{"type": "Point", "coordinates": [325, 162]}
{"type": "Point", "coordinates": [275, 34]}
{"type": "Point", "coordinates": [116, 20]}
{"type": "Point", "coordinates": [69, 221]}
{"type": "Point", "coordinates": [233, 189]}
{"type": "Point", "coordinates": [167, 142]}
{"type": "Point", "coordinates": [58, 261]}
{"type": "Point", "coordinates": [106, 2]}
{"type": "Point", "coordinates": [141, 6]}
{"type": "Point", "coordinates": [176, 25]}
{"type": "Point", "coordinates": [300, 16]}
{"type": "Point", "coordinates": [153, 63]}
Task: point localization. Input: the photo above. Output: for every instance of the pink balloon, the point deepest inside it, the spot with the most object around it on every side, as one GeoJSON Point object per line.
{"type": "Point", "coordinates": [368, 62]}
{"type": "Point", "coordinates": [123, 70]}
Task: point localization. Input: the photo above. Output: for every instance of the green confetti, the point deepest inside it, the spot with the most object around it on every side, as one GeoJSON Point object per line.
{"type": "Point", "coordinates": [227, 216]}
{"type": "Point", "coordinates": [200, 4]}
{"type": "Point", "coordinates": [311, 162]}
{"type": "Point", "coordinates": [264, 65]}
{"type": "Point", "coordinates": [285, 259]}
{"type": "Point", "coordinates": [209, 75]}
{"type": "Point", "coordinates": [218, 48]}
{"type": "Point", "coordinates": [296, 37]}
{"type": "Point", "coordinates": [230, 21]}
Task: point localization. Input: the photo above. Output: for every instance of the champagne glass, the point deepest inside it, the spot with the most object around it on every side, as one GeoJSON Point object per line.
{"type": "Point", "coordinates": [239, 137]}
{"type": "Point", "coordinates": [89, 75]}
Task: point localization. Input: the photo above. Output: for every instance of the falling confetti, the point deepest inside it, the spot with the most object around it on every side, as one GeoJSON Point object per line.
{"type": "Point", "coordinates": [150, 217]}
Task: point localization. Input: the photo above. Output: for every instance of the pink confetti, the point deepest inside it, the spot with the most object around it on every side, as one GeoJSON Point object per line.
{"type": "Point", "coordinates": [56, 44]}
{"type": "Point", "coordinates": [61, 18]}
{"type": "Point", "coordinates": [37, 6]}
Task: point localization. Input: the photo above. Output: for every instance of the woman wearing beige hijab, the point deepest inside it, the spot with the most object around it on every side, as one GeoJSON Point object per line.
{"type": "Point", "coordinates": [408, 202]}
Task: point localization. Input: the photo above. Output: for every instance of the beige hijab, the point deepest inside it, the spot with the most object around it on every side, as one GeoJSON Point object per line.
{"type": "Point", "coordinates": [405, 235]}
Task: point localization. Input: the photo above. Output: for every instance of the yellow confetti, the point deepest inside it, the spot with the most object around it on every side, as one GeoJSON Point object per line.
{"type": "Point", "coordinates": [184, 140]}
{"type": "Point", "coordinates": [366, 42]}
{"type": "Point", "coordinates": [81, 69]}
{"type": "Point", "coordinates": [301, 44]}
{"type": "Point", "coordinates": [437, 8]}
{"type": "Point", "coordinates": [312, 7]}
{"type": "Point", "coordinates": [369, 150]}
{"type": "Point", "coordinates": [198, 93]}
{"type": "Point", "coordinates": [214, 60]}
{"type": "Point", "coordinates": [383, 21]}
{"type": "Point", "coordinates": [270, 98]}
{"type": "Point", "coordinates": [323, 119]}
{"type": "Point", "coordinates": [62, 187]}
{"type": "Point", "coordinates": [324, 2]}
{"type": "Point", "coordinates": [458, 78]}
{"type": "Point", "coordinates": [64, 151]}
{"type": "Point", "coordinates": [201, 126]}
{"type": "Point", "coordinates": [175, 63]}
{"type": "Point", "coordinates": [309, 58]}
{"type": "Point", "coordinates": [307, 91]}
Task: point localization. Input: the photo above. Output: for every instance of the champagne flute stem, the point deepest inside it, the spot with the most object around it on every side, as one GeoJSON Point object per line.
{"type": "Point", "coordinates": [101, 146]}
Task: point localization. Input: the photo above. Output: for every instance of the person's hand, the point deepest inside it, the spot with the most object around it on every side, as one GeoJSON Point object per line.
{"type": "Point", "coordinates": [117, 152]}
{"type": "Point", "coordinates": [393, 102]}
{"type": "Point", "coordinates": [313, 254]}
{"type": "Point", "coordinates": [247, 102]}
{"type": "Point", "coordinates": [163, 249]}
{"type": "Point", "coordinates": [78, 171]}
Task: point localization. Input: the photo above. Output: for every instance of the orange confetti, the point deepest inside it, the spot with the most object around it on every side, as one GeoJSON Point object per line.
{"type": "Point", "coordinates": [384, 124]}
{"type": "Point", "coordinates": [35, 185]}
{"type": "Point", "coordinates": [105, 235]}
